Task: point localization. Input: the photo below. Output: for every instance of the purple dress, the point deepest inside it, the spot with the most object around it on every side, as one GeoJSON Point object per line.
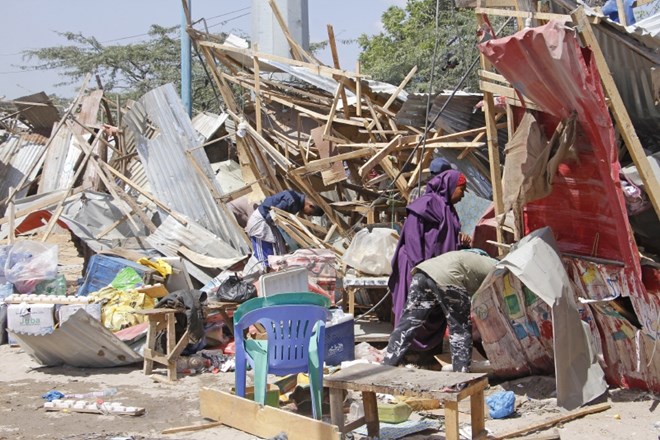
{"type": "Point", "coordinates": [431, 229]}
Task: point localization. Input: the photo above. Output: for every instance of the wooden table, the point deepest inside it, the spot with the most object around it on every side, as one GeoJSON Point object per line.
{"type": "Point", "coordinates": [163, 319]}
{"type": "Point", "coordinates": [223, 308]}
{"type": "Point", "coordinates": [372, 379]}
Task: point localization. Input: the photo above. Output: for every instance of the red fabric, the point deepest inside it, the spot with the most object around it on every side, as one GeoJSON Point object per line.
{"type": "Point", "coordinates": [586, 209]}
{"type": "Point", "coordinates": [461, 180]}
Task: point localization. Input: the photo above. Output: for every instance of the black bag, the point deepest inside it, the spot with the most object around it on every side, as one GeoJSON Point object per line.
{"type": "Point", "coordinates": [234, 289]}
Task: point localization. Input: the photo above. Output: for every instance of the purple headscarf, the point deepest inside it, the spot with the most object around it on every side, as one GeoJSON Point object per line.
{"type": "Point", "coordinates": [431, 229]}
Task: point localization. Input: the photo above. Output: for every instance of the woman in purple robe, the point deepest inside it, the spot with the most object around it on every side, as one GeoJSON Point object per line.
{"type": "Point", "coordinates": [431, 229]}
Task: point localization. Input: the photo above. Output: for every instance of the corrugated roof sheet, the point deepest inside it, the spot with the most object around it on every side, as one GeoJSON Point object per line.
{"type": "Point", "coordinates": [17, 155]}
{"type": "Point", "coordinates": [165, 156]}
{"type": "Point", "coordinates": [631, 70]}
{"type": "Point", "coordinates": [61, 159]}
{"type": "Point", "coordinates": [81, 341]}
{"type": "Point", "coordinates": [40, 117]}
{"type": "Point", "coordinates": [171, 235]}
{"type": "Point", "coordinates": [207, 124]}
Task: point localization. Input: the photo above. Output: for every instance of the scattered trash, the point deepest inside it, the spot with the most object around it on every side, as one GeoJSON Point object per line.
{"type": "Point", "coordinates": [501, 404]}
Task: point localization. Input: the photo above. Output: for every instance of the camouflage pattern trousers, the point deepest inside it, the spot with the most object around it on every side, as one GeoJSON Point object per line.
{"type": "Point", "coordinates": [424, 295]}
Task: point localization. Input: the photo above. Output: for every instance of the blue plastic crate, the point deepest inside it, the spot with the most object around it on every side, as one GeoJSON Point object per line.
{"type": "Point", "coordinates": [102, 269]}
{"type": "Point", "coordinates": [340, 342]}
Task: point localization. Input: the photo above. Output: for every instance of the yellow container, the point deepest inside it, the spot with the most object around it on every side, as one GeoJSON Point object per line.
{"type": "Point", "coordinates": [393, 413]}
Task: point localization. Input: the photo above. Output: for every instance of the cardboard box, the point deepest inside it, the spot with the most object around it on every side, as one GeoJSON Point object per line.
{"type": "Point", "coordinates": [65, 311]}
{"type": "Point", "coordinates": [33, 319]}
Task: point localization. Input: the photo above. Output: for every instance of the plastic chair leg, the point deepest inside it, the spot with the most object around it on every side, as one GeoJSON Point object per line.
{"type": "Point", "coordinates": [315, 379]}
{"type": "Point", "coordinates": [258, 351]}
{"type": "Point", "coordinates": [239, 377]}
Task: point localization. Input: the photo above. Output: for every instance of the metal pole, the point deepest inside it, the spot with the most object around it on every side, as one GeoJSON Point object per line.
{"type": "Point", "coordinates": [186, 63]}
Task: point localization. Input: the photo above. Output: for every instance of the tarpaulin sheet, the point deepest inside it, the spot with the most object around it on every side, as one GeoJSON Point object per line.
{"type": "Point", "coordinates": [586, 208]}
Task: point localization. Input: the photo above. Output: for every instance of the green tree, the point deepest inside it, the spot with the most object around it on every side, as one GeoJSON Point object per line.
{"type": "Point", "coordinates": [128, 70]}
{"type": "Point", "coordinates": [408, 39]}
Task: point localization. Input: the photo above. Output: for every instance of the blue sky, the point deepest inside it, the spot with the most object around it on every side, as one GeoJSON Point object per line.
{"type": "Point", "coordinates": [29, 24]}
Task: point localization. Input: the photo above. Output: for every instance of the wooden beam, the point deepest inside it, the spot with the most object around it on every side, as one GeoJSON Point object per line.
{"type": "Point", "coordinates": [320, 164]}
{"type": "Point", "coordinates": [358, 91]}
{"type": "Point", "coordinates": [651, 185]}
{"type": "Point", "coordinates": [382, 153]}
{"type": "Point", "coordinates": [493, 150]}
{"type": "Point", "coordinates": [554, 421]}
{"type": "Point", "coordinates": [325, 71]}
{"type": "Point", "coordinates": [523, 14]}
{"type": "Point", "coordinates": [262, 421]}
{"type": "Point", "coordinates": [333, 111]}
{"type": "Point", "coordinates": [257, 93]}
{"type": "Point", "coordinates": [297, 51]}
{"type": "Point", "coordinates": [335, 62]}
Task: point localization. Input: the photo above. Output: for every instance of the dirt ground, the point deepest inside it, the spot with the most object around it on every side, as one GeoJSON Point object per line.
{"type": "Point", "coordinates": [23, 381]}
{"type": "Point", "coordinates": [633, 415]}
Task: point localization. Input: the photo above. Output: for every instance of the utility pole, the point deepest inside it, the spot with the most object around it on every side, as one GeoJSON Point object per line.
{"type": "Point", "coordinates": [186, 62]}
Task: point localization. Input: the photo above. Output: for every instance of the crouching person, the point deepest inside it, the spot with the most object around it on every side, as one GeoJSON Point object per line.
{"type": "Point", "coordinates": [265, 237]}
{"type": "Point", "coordinates": [447, 281]}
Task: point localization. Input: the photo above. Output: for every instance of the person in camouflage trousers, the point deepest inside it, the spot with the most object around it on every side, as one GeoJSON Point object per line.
{"type": "Point", "coordinates": [447, 281]}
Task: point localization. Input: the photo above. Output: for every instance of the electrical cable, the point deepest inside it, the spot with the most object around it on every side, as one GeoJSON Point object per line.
{"type": "Point", "coordinates": [428, 97]}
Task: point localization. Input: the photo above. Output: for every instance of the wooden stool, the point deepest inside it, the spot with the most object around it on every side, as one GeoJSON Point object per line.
{"type": "Point", "coordinates": [372, 379]}
{"type": "Point", "coordinates": [163, 319]}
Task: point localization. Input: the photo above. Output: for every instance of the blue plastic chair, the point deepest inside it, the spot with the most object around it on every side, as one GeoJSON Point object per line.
{"type": "Point", "coordinates": [295, 344]}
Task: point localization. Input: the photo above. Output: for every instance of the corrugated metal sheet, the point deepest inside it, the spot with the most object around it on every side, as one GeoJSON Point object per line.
{"type": "Point", "coordinates": [207, 124]}
{"type": "Point", "coordinates": [631, 70]}
{"type": "Point", "coordinates": [173, 178]}
{"type": "Point", "coordinates": [171, 235]}
{"type": "Point", "coordinates": [81, 341]}
{"type": "Point", "coordinates": [61, 159]}
{"type": "Point", "coordinates": [17, 155]}
{"type": "Point", "coordinates": [40, 117]}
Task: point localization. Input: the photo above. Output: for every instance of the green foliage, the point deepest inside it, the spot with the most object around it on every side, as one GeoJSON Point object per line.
{"type": "Point", "coordinates": [408, 39]}
{"type": "Point", "coordinates": [128, 70]}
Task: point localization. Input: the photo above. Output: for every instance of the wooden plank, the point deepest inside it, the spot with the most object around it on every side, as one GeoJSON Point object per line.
{"type": "Point", "coordinates": [11, 217]}
{"type": "Point", "coordinates": [523, 14]}
{"type": "Point", "coordinates": [554, 421]}
{"type": "Point", "coordinates": [651, 184]}
{"type": "Point", "coordinates": [265, 422]}
{"type": "Point", "coordinates": [451, 420]}
{"type": "Point", "coordinates": [371, 413]}
{"type": "Point", "coordinates": [297, 51]}
{"type": "Point", "coordinates": [320, 164]}
{"type": "Point", "coordinates": [335, 172]}
{"type": "Point", "coordinates": [257, 92]}
{"type": "Point", "coordinates": [190, 428]}
{"type": "Point", "coordinates": [335, 62]}
{"type": "Point", "coordinates": [493, 150]}
{"type": "Point", "coordinates": [333, 111]}
{"type": "Point", "coordinates": [324, 71]}
{"type": "Point", "coordinates": [358, 91]}
{"type": "Point", "coordinates": [509, 93]}
{"type": "Point", "coordinates": [380, 155]}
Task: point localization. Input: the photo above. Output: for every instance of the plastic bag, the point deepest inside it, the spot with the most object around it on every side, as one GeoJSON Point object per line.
{"type": "Point", "coordinates": [372, 252]}
{"type": "Point", "coordinates": [235, 289]}
{"type": "Point", "coordinates": [29, 263]}
{"type": "Point", "coordinates": [127, 278]}
{"type": "Point", "coordinates": [56, 287]}
{"type": "Point", "coordinates": [501, 405]}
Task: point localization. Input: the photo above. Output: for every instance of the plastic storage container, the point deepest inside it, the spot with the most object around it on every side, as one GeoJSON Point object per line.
{"type": "Point", "coordinates": [340, 341]}
{"type": "Point", "coordinates": [102, 270]}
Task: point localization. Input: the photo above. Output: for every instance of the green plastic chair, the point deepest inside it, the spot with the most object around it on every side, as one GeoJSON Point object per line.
{"type": "Point", "coordinates": [280, 299]}
{"type": "Point", "coordinates": [295, 344]}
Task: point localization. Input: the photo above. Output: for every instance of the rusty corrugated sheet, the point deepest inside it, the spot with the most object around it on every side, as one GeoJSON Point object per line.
{"type": "Point", "coordinates": [40, 117]}
{"type": "Point", "coordinates": [168, 157]}
{"type": "Point", "coordinates": [81, 341]}
{"type": "Point", "coordinates": [17, 155]}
